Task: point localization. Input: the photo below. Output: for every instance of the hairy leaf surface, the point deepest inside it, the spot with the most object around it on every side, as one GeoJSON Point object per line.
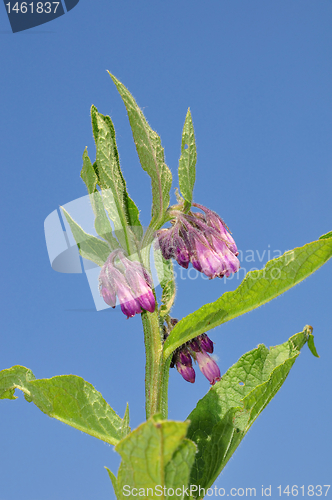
{"type": "Point", "coordinates": [102, 223]}
{"type": "Point", "coordinates": [90, 247]}
{"type": "Point", "coordinates": [151, 155]}
{"type": "Point", "coordinates": [156, 454]}
{"type": "Point", "coordinates": [187, 162]}
{"type": "Point", "coordinates": [222, 417]}
{"type": "Point", "coordinates": [257, 288]}
{"type": "Point", "coordinates": [67, 398]}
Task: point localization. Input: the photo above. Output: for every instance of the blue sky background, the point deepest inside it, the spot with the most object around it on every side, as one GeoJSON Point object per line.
{"type": "Point", "coordinates": [257, 77]}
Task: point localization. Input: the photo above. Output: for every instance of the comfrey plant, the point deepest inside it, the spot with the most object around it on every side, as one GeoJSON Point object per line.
{"type": "Point", "coordinates": [161, 457]}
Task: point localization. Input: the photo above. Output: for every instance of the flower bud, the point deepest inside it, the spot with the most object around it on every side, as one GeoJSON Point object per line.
{"type": "Point", "coordinates": [206, 343]}
{"type": "Point", "coordinates": [187, 372]}
{"type": "Point", "coordinates": [183, 365]}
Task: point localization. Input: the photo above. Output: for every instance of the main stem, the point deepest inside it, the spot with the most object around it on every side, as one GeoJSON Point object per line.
{"type": "Point", "coordinates": [154, 372]}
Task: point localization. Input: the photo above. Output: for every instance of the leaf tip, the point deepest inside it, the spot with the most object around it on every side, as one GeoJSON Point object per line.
{"type": "Point", "coordinates": [311, 344]}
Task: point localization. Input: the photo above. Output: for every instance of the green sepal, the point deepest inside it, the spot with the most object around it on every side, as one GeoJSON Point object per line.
{"type": "Point", "coordinates": [257, 288]}
{"type": "Point", "coordinates": [67, 398]}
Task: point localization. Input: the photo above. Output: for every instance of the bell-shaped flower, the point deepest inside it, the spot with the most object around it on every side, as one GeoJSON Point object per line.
{"type": "Point", "coordinates": [213, 220]}
{"type": "Point", "coordinates": [183, 365]}
{"type": "Point", "coordinates": [202, 239]}
{"type": "Point", "coordinates": [107, 289]}
{"type": "Point", "coordinates": [205, 343]}
{"type": "Point", "coordinates": [208, 367]}
{"type": "Point", "coordinates": [128, 303]}
{"type": "Point", "coordinates": [197, 349]}
{"type": "Point", "coordinates": [140, 286]}
{"type": "Point", "coordinates": [129, 281]}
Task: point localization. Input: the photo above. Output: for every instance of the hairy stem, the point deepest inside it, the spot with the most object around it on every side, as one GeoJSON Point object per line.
{"type": "Point", "coordinates": [154, 376]}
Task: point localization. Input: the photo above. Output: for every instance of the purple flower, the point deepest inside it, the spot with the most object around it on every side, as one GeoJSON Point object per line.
{"type": "Point", "coordinates": [208, 367]}
{"type": "Point", "coordinates": [183, 365]}
{"type": "Point", "coordinates": [205, 343]}
{"type": "Point", "coordinates": [107, 289]}
{"type": "Point", "coordinates": [196, 349]}
{"type": "Point", "coordinates": [128, 303]}
{"type": "Point", "coordinates": [139, 283]}
{"type": "Point", "coordinates": [129, 281]}
{"type": "Point", "coordinates": [213, 220]}
{"type": "Point", "coordinates": [201, 239]}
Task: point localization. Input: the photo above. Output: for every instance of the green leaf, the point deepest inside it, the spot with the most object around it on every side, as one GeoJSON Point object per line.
{"type": "Point", "coordinates": [8, 394]}
{"type": "Point", "coordinates": [102, 223]}
{"type": "Point", "coordinates": [67, 398]}
{"type": "Point", "coordinates": [257, 288]}
{"type": "Point", "coordinates": [121, 209]}
{"type": "Point", "coordinates": [311, 343]}
{"type": "Point", "coordinates": [131, 211]}
{"type": "Point", "coordinates": [151, 455]}
{"type": "Point", "coordinates": [187, 162]}
{"type": "Point", "coordinates": [114, 482]}
{"type": "Point", "coordinates": [177, 471]}
{"type": "Point", "coordinates": [89, 246]}
{"type": "Point", "coordinates": [166, 279]}
{"type": "Point", "coordinates": [151, 155]}
{"type": "Point", "coordinates": [223, 417]}
{"type": "Point", "coordinates": [325, 236]}
{"type": "Point", "coordinates": [125, 426]}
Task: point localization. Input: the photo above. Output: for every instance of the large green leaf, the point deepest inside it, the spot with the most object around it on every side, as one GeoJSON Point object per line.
{"type": "Point", "coordinates": [177, 471]}
{"type": "Point", "coordinates": [222, 418]}
{"type": "Point", "coordinates": [67, 398]}
{"type": "Point", "coordinates": [151, 155]}
{"type": "Point", "coordinates": [257, 288]}
{"type": "Point", "coordinates": [187, 162]}
{"type": "Point", "coordinates": [89, 246]}
{"type": "Point", "coordinates": [154, 456]}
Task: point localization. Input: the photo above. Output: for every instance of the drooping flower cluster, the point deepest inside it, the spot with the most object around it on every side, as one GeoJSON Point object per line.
{"type": "Point", "coordinates": [201, 239]}
{"type": "Point", "coordinates": [198, 349]}
{"type": "Point", "coordinates": [129, 281]}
